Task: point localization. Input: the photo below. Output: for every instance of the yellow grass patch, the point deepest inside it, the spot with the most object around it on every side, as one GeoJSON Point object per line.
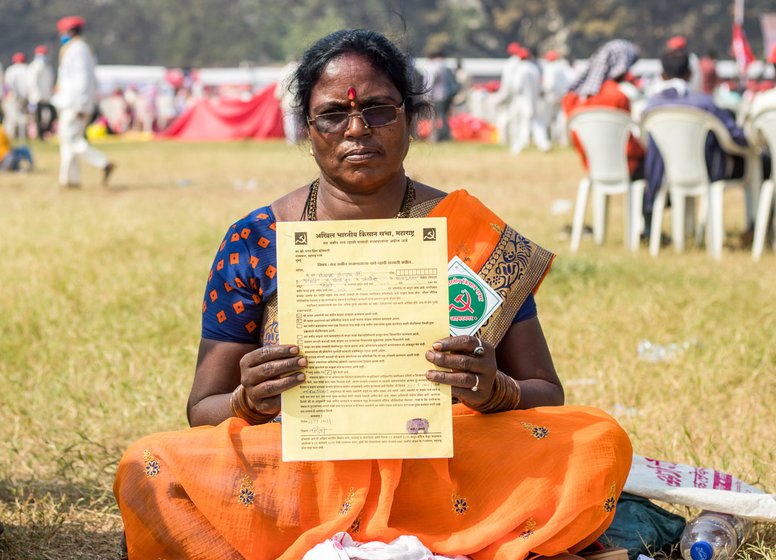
{"type": "Point", "coordinates": [102, 289]}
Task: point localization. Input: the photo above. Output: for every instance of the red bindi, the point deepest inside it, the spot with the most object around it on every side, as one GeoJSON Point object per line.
{"type": "Point", "coordinates": [352, 96]}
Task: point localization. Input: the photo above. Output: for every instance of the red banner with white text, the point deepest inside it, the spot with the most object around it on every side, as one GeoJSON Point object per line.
{"type": "Point", "coordinates": [741, 49]}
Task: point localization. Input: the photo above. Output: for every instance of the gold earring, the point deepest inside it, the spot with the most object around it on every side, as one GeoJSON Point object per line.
{"type": "Point", "coordinates": [412, 139]}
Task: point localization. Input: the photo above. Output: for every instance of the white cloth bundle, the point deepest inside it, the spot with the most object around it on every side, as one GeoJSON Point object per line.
{"type": "Point", "coordinates": [342, 547]}
{"type": "Point", "coordinates": [698, 487]}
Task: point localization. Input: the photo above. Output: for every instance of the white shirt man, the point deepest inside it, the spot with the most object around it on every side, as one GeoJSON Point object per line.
{"type": "Point", "coordinates": [40, 78]}
{"type": "Point", "coordinates": [523, 87]}
{"type": "Point", "coordinates": [76, 99]}
{"type": "Point", "coordinates": [15, 99]}
{"type": "Point", "coordinates": [555, 84]}
{"type": "Point", "coordinates": [504, 121]}
{"type": "Point", "coordinates": [40, 88]}
{"type": "Point", "coordinates": [285, 96]}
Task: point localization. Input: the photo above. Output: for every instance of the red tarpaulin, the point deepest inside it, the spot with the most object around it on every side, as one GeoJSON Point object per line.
{"type": "Point", "coordinates": [229, 119]}
{"type": "Point", "coordinates": [464, 128]}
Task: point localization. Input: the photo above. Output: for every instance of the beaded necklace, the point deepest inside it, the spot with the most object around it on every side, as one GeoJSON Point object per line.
{"type": "Point", "coordinates": [311, 206]}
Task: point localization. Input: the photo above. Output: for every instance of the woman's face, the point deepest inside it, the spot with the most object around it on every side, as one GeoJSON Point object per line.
{"type": "Point", "coordinates": [359, 159]}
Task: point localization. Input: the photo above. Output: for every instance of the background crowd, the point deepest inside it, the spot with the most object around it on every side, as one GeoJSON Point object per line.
{"type": "Point", "coordinates": [519, 107]}
{"type": "Point", "coordinates": [527, 104]}
{"type": "Point", "coordinates": [524, 105]}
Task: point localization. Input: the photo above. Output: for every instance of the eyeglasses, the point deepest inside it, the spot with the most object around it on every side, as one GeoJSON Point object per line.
{"type": "Point", "coordinates": [372, 117]}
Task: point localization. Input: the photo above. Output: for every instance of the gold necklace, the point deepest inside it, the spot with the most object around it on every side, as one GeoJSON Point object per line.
{"type": "Point", "coordinates": [404, 211]}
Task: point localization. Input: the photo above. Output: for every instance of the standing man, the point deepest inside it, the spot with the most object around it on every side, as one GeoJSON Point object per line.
{"type": "Point", "coordinates": [76, 100]}
{"type": "Point", "coordinates": [443, 87]}
{"type": "Point", "coordinates": [525, 90]}
{"type": "Point", "coordinates": [40, 87]}
{"type": "Point", "coordinates": [15, 100]}
{"type": "Point", "coordinates": [555, 85]}
{"type": "Point", "coordinates": [285, 95]}
{"type": "Point", "coordinates": [708, 68]}
{"type": "Point", "coordinates": [2, 86]}
{"type": "Point", "coordinates": [506, 121]}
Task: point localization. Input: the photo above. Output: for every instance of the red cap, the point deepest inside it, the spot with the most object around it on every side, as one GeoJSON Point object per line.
{"type": "Point", "coordinates": [523, 53]}
{"type": "Point", "coordinates": [676, 43]}
{"type": "Point", "coordinates": [514, 48]}
{"type": "Point", "coordinates": [18, 57]}
{"type": "Point", "coordinates": [551, 56]}
{"type": "Point", "coordinates": [772, 55]}
{"type": "Point", "coordinates": [41, 49]}
{"type": "Point", "coordinates": [70, 22]}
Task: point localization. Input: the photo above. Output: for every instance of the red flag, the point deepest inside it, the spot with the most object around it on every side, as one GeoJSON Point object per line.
{"type": "Point", "coordinates": [740, 46]}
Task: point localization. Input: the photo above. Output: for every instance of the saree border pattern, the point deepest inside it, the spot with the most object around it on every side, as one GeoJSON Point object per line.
{"type": "Point", "coordinates": [515, 268]}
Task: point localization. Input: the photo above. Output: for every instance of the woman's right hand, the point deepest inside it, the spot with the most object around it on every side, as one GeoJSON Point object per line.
{"type": "Point", "coordinates": [268, 371]}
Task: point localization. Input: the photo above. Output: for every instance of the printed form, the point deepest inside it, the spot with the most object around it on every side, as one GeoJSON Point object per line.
{"type": "Point", "coordinates": [364, 300]}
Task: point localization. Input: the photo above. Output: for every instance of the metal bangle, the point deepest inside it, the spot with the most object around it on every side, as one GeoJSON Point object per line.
{"type": "Point", "coordinates": [242, 409]}
{"type": "Point", "coordinates": [506, 395]}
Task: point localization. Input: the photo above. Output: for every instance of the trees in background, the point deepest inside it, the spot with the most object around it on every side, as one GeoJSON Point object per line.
{"type": "Point", "coordinates": [198, 33]}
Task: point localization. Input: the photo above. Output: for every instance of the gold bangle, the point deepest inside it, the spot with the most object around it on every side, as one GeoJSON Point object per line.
{"type": "Point", "coordinates": [241, 408]}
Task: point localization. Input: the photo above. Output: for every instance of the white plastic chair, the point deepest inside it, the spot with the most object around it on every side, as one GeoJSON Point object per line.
{"type": "Point", "coordinates": [763, 127]}
{"type": "Point", "coordinates": [603, 133]}
{"type": "Point", "coordinates": [680, 134]}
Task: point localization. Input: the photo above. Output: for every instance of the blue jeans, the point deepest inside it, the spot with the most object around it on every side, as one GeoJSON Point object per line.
{"type": "Point", "coordinates": [13, 161]}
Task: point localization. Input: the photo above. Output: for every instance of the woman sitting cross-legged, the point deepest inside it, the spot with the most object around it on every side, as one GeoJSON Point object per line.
{"type": "Point", "coordinates": [529, 475]}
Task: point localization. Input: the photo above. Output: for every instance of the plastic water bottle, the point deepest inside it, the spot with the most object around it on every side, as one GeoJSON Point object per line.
{"type": "Point", "coordinates": [713, 536]}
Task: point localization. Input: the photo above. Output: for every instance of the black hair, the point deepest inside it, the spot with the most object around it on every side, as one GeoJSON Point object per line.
{"type": "Point", "coordinates": [676, 64]}
{"type": "Point", "coordinates": [384, 56]}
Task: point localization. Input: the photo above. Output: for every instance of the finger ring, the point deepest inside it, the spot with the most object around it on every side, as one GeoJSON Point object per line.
{"type": "Point", "coordinates": [479, 350]}
{"type": "Point", "coordinates": [476, 383]}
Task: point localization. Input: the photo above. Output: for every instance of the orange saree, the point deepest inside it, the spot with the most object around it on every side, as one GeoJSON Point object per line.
{"type": "Point", "coordinates": [541, 481]}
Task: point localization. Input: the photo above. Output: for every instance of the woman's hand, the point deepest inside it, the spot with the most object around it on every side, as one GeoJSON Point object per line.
{"type": "Point", "coordinates": [473, 365]}
{"type": "Point", "coordinates": [268, 371]}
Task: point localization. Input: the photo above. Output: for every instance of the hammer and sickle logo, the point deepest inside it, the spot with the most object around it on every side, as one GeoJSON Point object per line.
{"type": "Point", "coordinates": [464, 299]}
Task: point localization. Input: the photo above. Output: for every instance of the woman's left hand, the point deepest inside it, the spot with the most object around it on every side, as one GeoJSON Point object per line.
{"type": "Point", "coordinates": [473, 365]}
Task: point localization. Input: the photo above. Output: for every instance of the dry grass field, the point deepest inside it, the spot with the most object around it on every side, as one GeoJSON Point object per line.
{"type": "Point", "coordinates": [101, 293]}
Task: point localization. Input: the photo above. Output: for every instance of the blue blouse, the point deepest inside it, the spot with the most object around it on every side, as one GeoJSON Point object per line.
{"type": "Point", "coordinates": [243, 277]}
